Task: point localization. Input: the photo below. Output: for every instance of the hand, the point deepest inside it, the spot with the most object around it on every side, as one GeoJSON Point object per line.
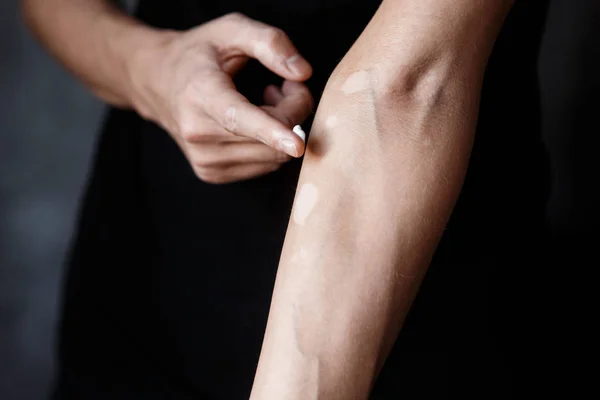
{"type": "Point", "coordinates": [184, 83]}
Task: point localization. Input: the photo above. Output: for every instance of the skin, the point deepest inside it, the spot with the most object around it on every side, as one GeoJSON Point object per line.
{"type": "Point", "coordinates": [308, 195]}
{"type": "Point", "coordinates": [183, 81]}
{"type": "Point", "coordinates": [384, 177]}
{"type": "Point", "coordinates": [387, 172]}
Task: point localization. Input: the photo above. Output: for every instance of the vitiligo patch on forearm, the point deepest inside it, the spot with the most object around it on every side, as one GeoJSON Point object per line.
{"type": "Point", "coordinates": [356, 82]}
{"type": "Point", "coordinates": [308, 196]}
{"type": "Point", "coordinates": [331, 122]}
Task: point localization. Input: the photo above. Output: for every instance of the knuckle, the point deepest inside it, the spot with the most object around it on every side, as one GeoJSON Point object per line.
{"type": "Point", "coordinates": [216, 179]}
{"type": "Point", "coordinates": [202, 164]}
{"type": "Point", "coordinates": [307, 97]}
{"type": "Point", "coordinates": [304, 98]}
{"type": "Point", "coordinates": [275, 167]}
{"type": "Point", "coordinates": [273, 36]}
{"type": "Point", "coordinates": [206, 78]}
{"type": "Point", "coordinates": [191, 130]}
{"type": "Point", "coordinates": [188, 130]}
{"type": "Point", "coordinates": [208, 175]}
{"type": "Point", "coordinates": [190, 95]}
{"type": "Point", "coordinates": [200, 172]}
{"type": "Point", "coordinates": [204, 160]}
{"type": "Point", "coordinates": [187, 123]}
{"type": "Point", "coordinates": [235, 17]}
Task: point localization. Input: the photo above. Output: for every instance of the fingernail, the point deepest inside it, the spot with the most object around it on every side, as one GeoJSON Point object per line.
{"type": "Point", "coordinates": [288, 146]}
{"type": "Point", "coordinates": [295, 63]}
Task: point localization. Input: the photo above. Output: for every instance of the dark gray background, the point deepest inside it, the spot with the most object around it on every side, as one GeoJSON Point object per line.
{"type": "Point", "coordinates": [47, 130]}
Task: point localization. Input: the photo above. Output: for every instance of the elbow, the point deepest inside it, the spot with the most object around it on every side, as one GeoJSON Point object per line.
{"type": "Point", "coordinates": [429, 102]}
{"type": "Point", "coordinates": [438, 84]}
{"type": "Point", "coordinates": [421, 87]}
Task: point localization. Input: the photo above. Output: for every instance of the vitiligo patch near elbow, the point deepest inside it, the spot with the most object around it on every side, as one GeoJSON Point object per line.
{"type": "Point", "coordinates": [306, 201]}
{"type": "Point", "coordinates": [356, 82]}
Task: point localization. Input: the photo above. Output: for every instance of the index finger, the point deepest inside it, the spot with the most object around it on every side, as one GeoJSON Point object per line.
{"type": "Point", "coordinates": [269, 45]}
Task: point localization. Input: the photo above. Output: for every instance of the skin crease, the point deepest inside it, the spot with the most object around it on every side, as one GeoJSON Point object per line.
{"type": "Point", "coordinates": [393, 167]}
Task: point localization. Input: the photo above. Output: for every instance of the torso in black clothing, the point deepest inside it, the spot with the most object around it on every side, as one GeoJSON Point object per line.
{"type": "Point", "coordinates": [170, 278]}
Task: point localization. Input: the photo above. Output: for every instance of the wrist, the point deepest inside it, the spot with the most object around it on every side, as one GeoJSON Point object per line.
{"type": "Point", "coordinates": [142, 53]}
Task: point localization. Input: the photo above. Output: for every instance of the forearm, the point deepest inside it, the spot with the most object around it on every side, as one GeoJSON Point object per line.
{"type": "Point", "coordinates": [384, 166]}
{"type": "Point", "coordinates": [94, 39]}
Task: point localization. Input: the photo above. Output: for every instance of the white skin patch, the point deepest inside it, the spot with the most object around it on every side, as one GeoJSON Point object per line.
{"type": "Point", "coordinates": [331, 122]}
{"type": "Point", "coordinates": [356, 82]}
{"type": "Point", "coordinates": [300, 257]}
{"type": "Point", "coordinates": [306, 201]}
{"type": "Point", "coordinates": [230, 119]}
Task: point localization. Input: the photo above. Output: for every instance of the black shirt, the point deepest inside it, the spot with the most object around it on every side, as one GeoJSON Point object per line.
{"type": "Point", "coordinates": [170, 278]}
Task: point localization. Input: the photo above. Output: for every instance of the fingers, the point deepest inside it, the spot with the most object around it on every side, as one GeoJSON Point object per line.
{"type": "Point", "coordinates": [238, 116]}
{"type": "Point", "coordinates": [297, 103]}
{"type": "Point", "coordinates": [291, 108]}
{"type": "Point", "coordinates": [269, 45]}
{"type": "Point", "coordinates": [254, 153]}
{"type": "Point", "coordinates": [225, 154]}
{"type": "Point", "coordinates": [234, 64]}
{"type": "Point", "coordinates": [273, 95]}
{"type": "Point", "coordinates": [235, 173]}
{"type": "Point", "coordinates": [222, 160]}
